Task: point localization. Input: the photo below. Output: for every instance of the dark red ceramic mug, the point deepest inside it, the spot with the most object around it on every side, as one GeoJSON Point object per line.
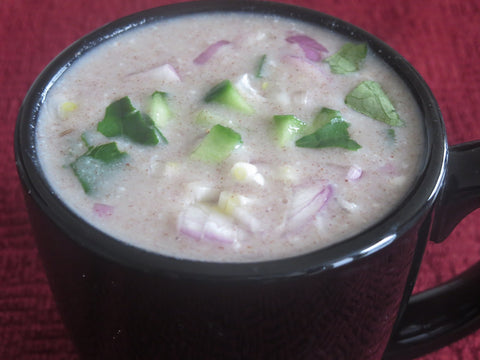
{"type": "Point", "coordinates": [348, 301]}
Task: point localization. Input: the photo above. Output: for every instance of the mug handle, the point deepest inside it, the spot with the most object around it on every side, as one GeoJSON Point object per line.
{"type": "Point", "coordinates": [444, 314]}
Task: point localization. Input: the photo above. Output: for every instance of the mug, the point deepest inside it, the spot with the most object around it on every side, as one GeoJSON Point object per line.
{"type": "Point", "coordinates": [351, 300]}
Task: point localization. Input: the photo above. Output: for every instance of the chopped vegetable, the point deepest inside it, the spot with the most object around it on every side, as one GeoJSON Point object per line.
{"type": "Point", "coordinates": [306, 203]}
{"type": "Point", "coordinates": [326, 116]}
{"type": "Point", "coordinates": [90, 167]}
{"type": "Point", "coordinates": [203, 222]}
{"type": "Point", "coordinates": [261, 67]}
{"type": "Point", "coordinates": [102, 210]}
{"type": "Point", "coordinates": [159, 109]}
{"type": "Point", "coordinates": [228, 202]}
{"type": "Point", "coordinates": [354, 173]}
{"type": "Point", "coordinates": [209, 52]}
{"type": "Point", "coordinates": [236, 206]}
{"type": "Point", "coordinates": [369, 99]}
{"type": "Point", "coordinates": [243, 171]}
{"type": "Point", "coordinates": [311, 48]}
{"type": "Point", "coordinates": [226, 94]}
{"type": "Point", "coordinates": [201, 192]}
{"type": "Point", "coordinates": [217, 145]}
{"type": "Point", "coordinates": [287, 127]}
{"type": "Point", "coordinates": [348, 59]}
{"type": "Point", "coordinates": [244, 87]}
{"type": "Point", "coordinates": [84, 138]}
{"type": "Point", "coordinates": [121, 118]}
{"type": "Point", "coordinates": [140, 128]}
{"type": "Point", "coordinates": [331, 133]}
{"type": "Point", "coordinates": [67, 107]}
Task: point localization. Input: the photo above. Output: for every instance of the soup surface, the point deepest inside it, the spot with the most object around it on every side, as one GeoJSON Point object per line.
{"type": "Point", "coordinates": [230, 137]}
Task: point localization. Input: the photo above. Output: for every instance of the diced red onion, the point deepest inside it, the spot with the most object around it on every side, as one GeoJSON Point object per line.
{"type": "Point", "coordinates": [306, 203]}
{"type": "Point", "coordinates": [102, 210]}
{"type": "Point", "coordinates": [203, 223]}
{"type": "Point", "coordinates": [354, 173]}
{"type": "Point", "coordinates": [209, 52]}
{"type": "Point", "coordinates": [311, 48]}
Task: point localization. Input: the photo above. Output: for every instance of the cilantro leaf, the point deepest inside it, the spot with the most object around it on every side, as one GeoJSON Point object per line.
{"type": "Point", "coordinates": [121, 118]}
{"type": "Point", "coordinates": [95, 163]}
{"type": "Point", "coordinates": [369, 99]}
{"type": "Point", "coordinates": [333, 132]}
{"type": "Point", "coordinates": [107, 153]}
{"type": "Point", "coordinates": [348, 59]}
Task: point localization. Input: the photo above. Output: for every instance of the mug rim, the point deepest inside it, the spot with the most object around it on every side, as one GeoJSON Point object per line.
{"type": "Point", "coordinates": [416, 204]}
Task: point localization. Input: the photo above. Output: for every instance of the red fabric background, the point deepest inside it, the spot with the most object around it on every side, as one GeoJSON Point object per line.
{"type": "Point", "coordinates": [440, 38]}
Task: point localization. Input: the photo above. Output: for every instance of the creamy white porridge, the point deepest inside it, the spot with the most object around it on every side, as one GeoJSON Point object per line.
{"type": "Point", "coordinates": [230, 180]}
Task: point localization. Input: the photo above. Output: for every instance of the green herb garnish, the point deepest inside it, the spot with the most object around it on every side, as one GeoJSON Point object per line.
{"type": "Point", "coordinates": [333, 132]}
{"type": "Point", "coordinates": [369, 99]}
{"type": "Point", "coordinates": [348, 59]}
{"type": "Point", "coordinates": [217, 145]}
{"type": "Point", "coordinates": [90, 167]}
{"type": "Point", "coordinates": [226, 94]}
{"type": "Point", "coordinates": [121, 118]}
{"type": "Point", "coordinates": [261, 67]}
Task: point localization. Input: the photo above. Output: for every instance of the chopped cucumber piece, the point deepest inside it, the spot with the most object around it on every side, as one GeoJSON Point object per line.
{"type": "Point", "coordinates": [159, 109]}
{"type": "Point", "coordinates": [286, 127]}
{"type": "Point", "coordinates": [326, 116]}
{"type": "Point", "coordinates": [226, 94]}
{"type": "Point", "coordinates": [217, 145]}
{"type": "Point", "coordinates": [92, 166]}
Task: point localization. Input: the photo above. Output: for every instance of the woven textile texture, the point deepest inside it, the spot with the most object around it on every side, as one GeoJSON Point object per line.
{"type": "Point", "coordinates": [441, 38]}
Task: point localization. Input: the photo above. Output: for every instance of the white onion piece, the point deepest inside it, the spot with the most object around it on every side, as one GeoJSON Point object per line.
{"type": "Point", "coordinates": [244, 86]}
{"type": "Point", "coordinates": [204, 223]}
{"type": "Point", "coordinates": [200, 192]}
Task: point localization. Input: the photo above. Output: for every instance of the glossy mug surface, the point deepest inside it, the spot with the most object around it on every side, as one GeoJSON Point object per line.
{"type": "Point", "coordinates": [346, 301]}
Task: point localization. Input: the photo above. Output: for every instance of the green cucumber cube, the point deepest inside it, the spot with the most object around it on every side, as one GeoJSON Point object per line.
{"type": "Point", "coordinates": [217, 145]}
